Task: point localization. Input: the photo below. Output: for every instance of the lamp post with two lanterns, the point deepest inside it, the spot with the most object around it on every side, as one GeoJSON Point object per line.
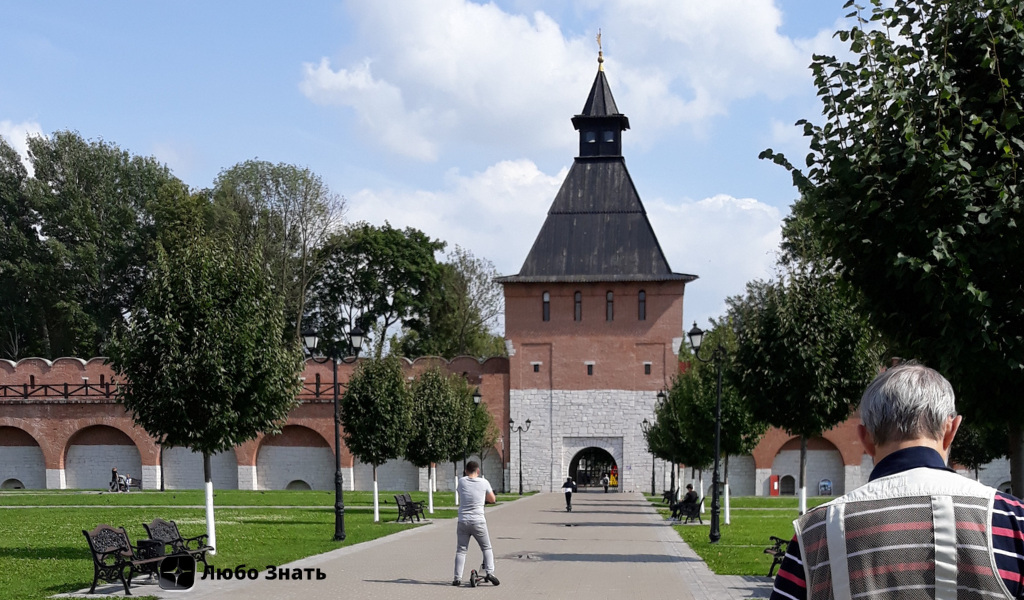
{"type": "Point", "coordinates": [512, 426]}
{"type": "Point", "coordinates": [696, 336]}
{"type": "Point", "coordinates": [310, 339]}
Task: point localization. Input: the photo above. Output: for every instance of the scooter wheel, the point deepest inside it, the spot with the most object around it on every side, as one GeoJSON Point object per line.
{"type": "Point", "coordinates": [472, 579]}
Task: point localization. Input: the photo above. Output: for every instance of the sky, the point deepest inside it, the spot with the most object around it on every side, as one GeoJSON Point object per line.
{"type": "Point", "coordinates": [451, 116]}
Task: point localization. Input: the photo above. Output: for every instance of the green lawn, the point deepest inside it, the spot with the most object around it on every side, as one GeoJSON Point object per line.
{"type": "Point", "coordinates": [741, 549]}
{"type": "Point", "coordinates": [221, 498]}
{"type": "Point", "coordinates": [43, 551]}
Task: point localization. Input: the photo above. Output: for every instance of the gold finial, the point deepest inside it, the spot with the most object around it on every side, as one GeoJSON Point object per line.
{"type": "Point", "coordinates": [600, 52]}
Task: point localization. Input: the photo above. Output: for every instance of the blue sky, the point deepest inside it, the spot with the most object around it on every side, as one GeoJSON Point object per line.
{"type": "Point", "coordinates": [448, 115]}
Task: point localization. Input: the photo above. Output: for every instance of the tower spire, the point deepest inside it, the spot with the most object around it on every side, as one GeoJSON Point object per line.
{"type": "Point", "coordinates": [600, 52]}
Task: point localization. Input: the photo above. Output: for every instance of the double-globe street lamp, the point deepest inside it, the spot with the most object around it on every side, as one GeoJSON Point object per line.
{"type": "Point", "coordinates": [696, 336]}
{"type": "Point", "coordinates": [310, 339]}
{"type": "Point", "coordinates": [512, 426]}
{"type": "Point", "coordinates": [646, 428]}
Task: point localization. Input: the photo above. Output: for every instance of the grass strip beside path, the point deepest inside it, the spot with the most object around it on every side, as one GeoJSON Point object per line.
{"type": "Point", "coordinates": [741, 549]}
{"type": "Point", "coordinates": [221, 497]}
{"type": "Point", "coordinates": [43, 551]}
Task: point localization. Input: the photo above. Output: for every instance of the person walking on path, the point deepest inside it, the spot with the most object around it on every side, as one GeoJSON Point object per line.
{"type": "Point", "coordinates": [474, 492]}
{"type": "Point", "coordinates": [916, 529]}
{"type": "Point", "coordinates": [568, 487]}
{"type": "Point", "coordinates": [604, 482]}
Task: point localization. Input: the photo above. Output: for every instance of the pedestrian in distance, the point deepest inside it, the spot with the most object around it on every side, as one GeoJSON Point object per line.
{"type": "Point", "coordinates": [917, 529]}
{"type": "Point", "coordinates": [474, 492]}
{"type": "Point", "coordinates": [604, 482]}
{"type": "Point", "coordinates": [568, 487]}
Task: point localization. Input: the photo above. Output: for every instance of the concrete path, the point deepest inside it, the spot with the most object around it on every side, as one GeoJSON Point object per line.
{"type": "Point", "coordinates": [610, 546]}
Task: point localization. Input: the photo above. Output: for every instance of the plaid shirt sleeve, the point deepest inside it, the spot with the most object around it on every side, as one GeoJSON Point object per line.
{"type": "Point", "coordinates": [789, 581]}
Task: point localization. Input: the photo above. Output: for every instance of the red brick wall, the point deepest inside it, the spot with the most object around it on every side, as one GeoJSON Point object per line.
{"type": "Point", "coordinates": [618, 348]}
{"type": "Point", "coordinates": [55, 422]}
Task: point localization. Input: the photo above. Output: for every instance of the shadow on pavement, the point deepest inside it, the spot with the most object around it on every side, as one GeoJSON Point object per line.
{"type": "Point", "coordinates": [607, 558]}
{"type": "Point", "coordinates": [408, 581]}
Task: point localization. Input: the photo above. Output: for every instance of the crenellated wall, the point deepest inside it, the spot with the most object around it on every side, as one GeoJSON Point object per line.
{"type": "Point", "coordinates": [60, 427]}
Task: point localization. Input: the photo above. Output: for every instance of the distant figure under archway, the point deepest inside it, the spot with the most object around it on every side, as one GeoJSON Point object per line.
{"type": "Point", "coordinates": [590, 466]}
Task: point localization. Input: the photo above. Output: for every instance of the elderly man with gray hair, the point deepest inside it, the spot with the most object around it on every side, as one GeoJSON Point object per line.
{"type": "Point", "coordinates": [916, 529]}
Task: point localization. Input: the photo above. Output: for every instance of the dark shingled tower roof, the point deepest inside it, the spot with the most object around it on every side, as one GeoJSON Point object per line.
{"type": "Point", "coordinates": [597, 229]}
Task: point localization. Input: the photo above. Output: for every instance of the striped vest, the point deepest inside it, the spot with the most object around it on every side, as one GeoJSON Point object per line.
{"type": "Point", "coordinates": [919, 534]}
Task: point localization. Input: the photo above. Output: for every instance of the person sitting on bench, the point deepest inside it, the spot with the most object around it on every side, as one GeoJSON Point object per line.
{"type": "Point", "coordinates": [689, 498]}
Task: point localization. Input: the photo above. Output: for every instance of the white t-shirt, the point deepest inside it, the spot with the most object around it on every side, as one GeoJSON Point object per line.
{"type": "Point", "coordinates": [472, 496]}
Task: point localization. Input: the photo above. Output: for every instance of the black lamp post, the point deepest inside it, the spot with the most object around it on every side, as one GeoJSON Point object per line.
{"type": "Point", "coordinates": [476, 403]}
{"type": "Point", "coordinates": [646, 428]}
{"type": "Point", "coordinates": [696, 336]}
{"type": "Point", "coordinates": [310, 339]}
{"type": "Point", "coordinates": [512, 426]}
{"type": "Point", "coordinates": [501, 445]}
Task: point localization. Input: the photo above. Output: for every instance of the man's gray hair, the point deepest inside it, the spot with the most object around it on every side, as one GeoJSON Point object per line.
{"type": "Point", "coordinates": [906, 402]}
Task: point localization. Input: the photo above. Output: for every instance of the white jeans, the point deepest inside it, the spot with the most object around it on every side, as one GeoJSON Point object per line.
{"type": "Point", "coordinates": [479, 532]}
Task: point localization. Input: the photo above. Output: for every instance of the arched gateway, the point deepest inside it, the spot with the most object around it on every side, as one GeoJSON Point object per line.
{"type": "Point", "coordinates": [590, 465]}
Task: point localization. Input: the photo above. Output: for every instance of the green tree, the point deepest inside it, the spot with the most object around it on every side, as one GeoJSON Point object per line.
{"type": "Point", "coordinates": [912, 190]}
{"type": "Point", "coordinates": [374, 277]}
{"type": "Point", "coordinates": [976, 445]}
{"type": "Point", "coordinates": [20, 251]}
{"type": "Point", "coordinates": [485, 434]}
{"type": "Point", "coordinates": [804, 355]}
{"type": "Point", "coordinates": [438, 410]}
{"type": "Point", "coordinates": [376, 413]}
{"type": "Point", "coordinates": [697, 396]}
{"type": "Point", "coordinates": [78, 238]}
{"type": "Point", "coordinates": [462, 308]}
{"type": "Point", "coordinates": [282, 214]}
{"type": "Point", "coordinates": [200, 361]}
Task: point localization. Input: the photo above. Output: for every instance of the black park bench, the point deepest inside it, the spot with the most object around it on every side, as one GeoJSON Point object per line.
{"type": "Point", "coordinates": [407, 508]}
{"type": "Point", "coordinates": [113, 554]}
{"type": "Point", "coordinates": [689, 512]}
{"type": "Point", "coordinates": [167, 533]}
{"type": "Point", "coordinates": [778, 552]}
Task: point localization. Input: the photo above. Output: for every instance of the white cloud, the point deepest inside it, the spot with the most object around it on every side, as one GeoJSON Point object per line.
{"type": "Point", "coordinates": [424, 72]}
{"type": "Point", "coordinates": [497, 214]}
{"type": "Point", "coordinates": [726, 241]}
{"type": "Point", "coordinates": [17, 136]}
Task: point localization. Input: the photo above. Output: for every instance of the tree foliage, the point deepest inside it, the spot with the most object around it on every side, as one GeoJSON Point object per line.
{"type": "Point", "coordinates": [283, 214]}
{"type": "Point", "coordinates": [696, 392]}
{"type": "Point", "coordinates": [977, 444]}
{"type": "Point", "coordinates": [78, 235]}
{"type": "Point", "coordinates": [201, 362]}
{"type": "Point", "coordinates": [374, 277]}
{"type": "Point", "coordinates": [464, 305]}
{"type": "Point", "coordinates": [805, 352]}
{"type": "Point", "coordinates": [439, 418]}
{"type": "Point", "coordinates": [912, 188]}
{"type": "Point", "coordinates": [376, 411]}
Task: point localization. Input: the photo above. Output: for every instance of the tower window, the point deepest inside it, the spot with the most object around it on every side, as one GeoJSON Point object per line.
{"type": "Point", "coordinates": [547, 306]}
{"type": "Point", "coordinates": [578, 313]}
{"type": "Point", "coordinates": [609, 307]}
{"type": "Point", "coordinates": [642, 305]}
{"type": "Point", "coordinates": [647, 368]}
{"type": "Point", "coordinates": [591, 137]}
{"type": "Point", "coordinates": [536, 368]}
{"type": "Point", "coordinates": [609, 136]}
{"type": "Point", "coordinates": [590, 369]}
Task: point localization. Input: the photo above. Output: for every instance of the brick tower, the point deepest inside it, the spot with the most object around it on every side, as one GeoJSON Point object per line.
{"type": "Point", "coordinates": [593, 320]}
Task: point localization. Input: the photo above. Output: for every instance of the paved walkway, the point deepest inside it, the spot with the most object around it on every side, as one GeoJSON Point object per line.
{"type": "Point", "coordinates": [610, 546]}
